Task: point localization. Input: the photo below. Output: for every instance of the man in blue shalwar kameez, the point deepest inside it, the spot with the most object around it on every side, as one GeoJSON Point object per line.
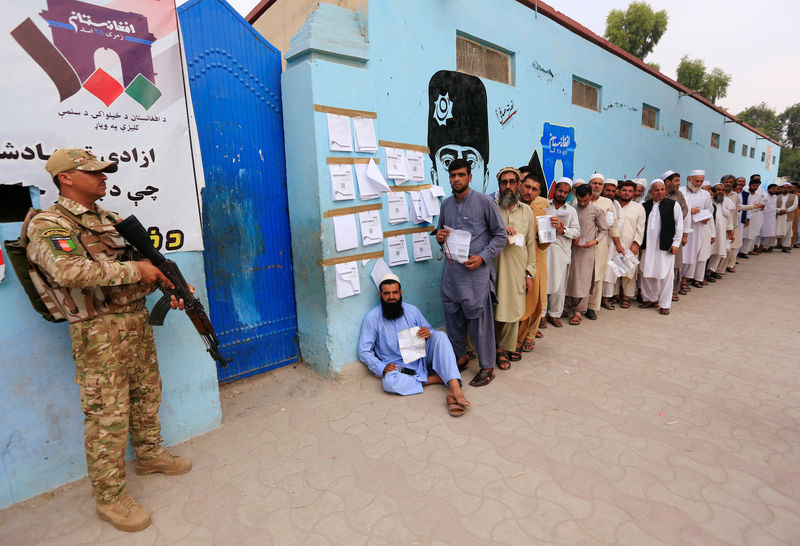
{"type": "Point", "coordinates": [379, 349]}
{"type": "Point", "coordinates": [468, 288]}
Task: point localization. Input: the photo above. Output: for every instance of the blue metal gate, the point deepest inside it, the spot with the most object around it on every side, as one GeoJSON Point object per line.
{"type": "Point", "coordinates": [234, 76]}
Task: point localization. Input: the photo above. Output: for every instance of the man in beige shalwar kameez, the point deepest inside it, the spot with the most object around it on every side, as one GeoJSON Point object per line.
{"type": "Point", "coordinates": [596, 181]}
{"type": "Point", "coordinates": [515, 265]}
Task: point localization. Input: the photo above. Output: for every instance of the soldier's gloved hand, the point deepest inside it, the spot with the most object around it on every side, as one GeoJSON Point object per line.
{"type": "Point", "coordinates": [151, 273]}
{"type": "Point", "coordinates": [176, 303]}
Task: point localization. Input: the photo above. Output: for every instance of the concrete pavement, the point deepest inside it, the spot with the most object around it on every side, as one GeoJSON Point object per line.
{"type": "Point", "coordinates": [688, 435]}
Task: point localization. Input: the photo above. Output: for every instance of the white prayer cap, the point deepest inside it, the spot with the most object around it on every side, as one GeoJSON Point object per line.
{"type": "Point", "coordinates": [640, 182]}
{"type": "Point", "coordinates": [611, 181]}
{"type": "Point", "coordinates": [697, 172]}
{"type": "Point", "coordinates": [656, 180]}
{"type": "Point", "coordinates": [665, 176]}
{"type": "Point", "coordinates": [578, 182]}
{"type": "Point", "coordinates": [565, 180]}
{"type": "Point", "coordinates": [389, 277]}
{"type": "Point", "coordinates": [597, 175]}
{"type": "Point", "coordinates": [787, 184]}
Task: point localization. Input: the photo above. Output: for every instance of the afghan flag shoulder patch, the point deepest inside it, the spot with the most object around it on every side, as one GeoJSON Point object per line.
{"type": "Point", "coordinates": [63, 243]}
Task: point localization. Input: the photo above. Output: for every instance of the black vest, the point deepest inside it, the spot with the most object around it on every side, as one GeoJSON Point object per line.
{"type": "Point", "coordinates": [665, 207]}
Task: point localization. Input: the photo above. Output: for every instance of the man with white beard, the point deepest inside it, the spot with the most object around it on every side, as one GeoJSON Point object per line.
{"type": "Point", "coordinates": [597, 183]}
{"type": "Point", "coordinates": [755, 196]}
{"type": "Point", "coordinates": [699, 205]}
{"type": "Point", "coordinates": [662, 237]}
{"type": "Point", "coordinates": [641, 190]}
{"type": "Point", "coordinates": [723, 221]}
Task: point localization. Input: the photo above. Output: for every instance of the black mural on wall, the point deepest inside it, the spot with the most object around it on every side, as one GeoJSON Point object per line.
{"type": "Point", "coordinates": [458, 125]}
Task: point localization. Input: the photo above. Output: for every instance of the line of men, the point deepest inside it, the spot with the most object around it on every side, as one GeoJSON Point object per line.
{"type": "Point", "coordinates": [516, 280]}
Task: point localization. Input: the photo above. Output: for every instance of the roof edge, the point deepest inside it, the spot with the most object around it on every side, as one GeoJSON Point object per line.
{"type": "Point", "coordinates": [573, 26]}
{"type": "Point", "coordinates": [259, 10]}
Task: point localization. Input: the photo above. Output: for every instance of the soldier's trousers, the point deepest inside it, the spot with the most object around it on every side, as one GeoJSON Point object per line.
{"type": "Point", "coordinates": [117, 370]}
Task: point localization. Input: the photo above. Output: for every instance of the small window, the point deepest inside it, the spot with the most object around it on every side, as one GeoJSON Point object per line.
{"type": "Point", "coordinates": [585, 94]}
{"type": "Point", "coordinates": [763, 156]}
{"type": "Point", "coordinates": [731, 146]}
{"type": "Point", "coordinates": [649, 116]}
{"type": "Point", "coordinates": [714, 140]}
{"type": "Point", "coordinates": [752, 152]}
{"type": "Point", "coordinates": [773, 159]}
{"type": "Point", "coordinates": [744, 150]}
{"type": "Point", "coordinates": [686, 130]}
{"type": "Point", "coordinates": [483, 60]}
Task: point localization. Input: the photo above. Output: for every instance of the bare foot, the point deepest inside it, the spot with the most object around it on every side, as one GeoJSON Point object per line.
{"type": "Point", "coordinates": [434, 379]}
{"type": "Point", "coordinates": [454, 390]}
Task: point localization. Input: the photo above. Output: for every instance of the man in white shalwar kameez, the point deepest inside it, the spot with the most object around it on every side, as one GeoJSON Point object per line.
{"type": "Point", "coordinates": [697, 202]}
{"type": "Point", "coordinates": [631, 223]}
{"type": "Point", "coordinates": [769, 219]}
{"type": "Point", "coordinates": [559, 253]}
{"type": "Point", "coordinates": [723, 223]}
{"type": "Point", "coordinates": [663, 218]}
{"type": "Point", "coordinates": [752, 230]}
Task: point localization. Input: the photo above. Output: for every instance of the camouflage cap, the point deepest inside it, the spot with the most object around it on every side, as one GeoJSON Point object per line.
{"type": "Point", "coordinates": [66, 159]}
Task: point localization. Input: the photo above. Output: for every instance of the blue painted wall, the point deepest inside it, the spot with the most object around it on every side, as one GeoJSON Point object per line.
{"type": "Point", "coordinates": [41, 423]}
{"type": "Point", "coordinates": [387, 69]}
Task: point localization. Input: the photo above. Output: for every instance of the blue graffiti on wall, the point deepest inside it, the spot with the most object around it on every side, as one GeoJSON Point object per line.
{"type": "Point", "coordinates": [558, 144]}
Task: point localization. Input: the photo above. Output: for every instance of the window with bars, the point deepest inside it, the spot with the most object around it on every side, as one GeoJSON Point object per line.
{"type": "Point", "coordinates": [585, 94]}
{"type": "Point", "coordinates": [752, 152]}
{"type": "Point", "coordinates": [483, 60]}
{"type": "Point", "coordinates": [731, 146]}
{"type": "Point", "coordinates": [714, 140]}
{"type": "Point", "coordinates": [686, 130]}
{"type": "Point", "coordinates": [649, 116]}
{"type": "Point", "coordinates": [744, 150]}
{"type": "Point", "coordinates": [763, 156]}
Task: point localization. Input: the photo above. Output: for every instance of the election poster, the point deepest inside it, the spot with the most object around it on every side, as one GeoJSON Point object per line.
{"type": "Point", "coordinates": [107, 76]}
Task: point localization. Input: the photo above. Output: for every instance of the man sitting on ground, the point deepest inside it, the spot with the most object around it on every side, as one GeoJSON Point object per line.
{"type": "Point", "coordinates": [379, 349]}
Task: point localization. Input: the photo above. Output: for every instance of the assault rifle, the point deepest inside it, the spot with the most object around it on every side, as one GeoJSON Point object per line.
{"type": "Point", "coordinates": [133, 232]}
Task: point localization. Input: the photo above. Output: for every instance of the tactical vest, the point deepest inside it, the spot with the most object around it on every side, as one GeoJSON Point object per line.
{"type": "Point", "coordinates": [102, 243]}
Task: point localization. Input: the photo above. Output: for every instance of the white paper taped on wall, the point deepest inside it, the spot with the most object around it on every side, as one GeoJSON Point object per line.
{"type": "Point", "coordinates": [378, 271]}
{"type": "Point", "coordinates": [345, 232]}
{"type": "Point", "coordinates": [339, 137]}
{"type": "Point", "coordinates": [371, 231]}
{"type": "Point", "coordinates": [347, 281]}
{"type": "Point", "coordinates": [342, 184]}
{"type": "Point", "coordinates": [396, 167]}
{"type": "Point", "coordinates": [397, 250]}
{"type": "Point", "coordinates": [364, 130]}
{"type": "Point", "coordinates": [421, 243]}
{"type": "Point", "coordinates": [398, 207]}
{"type": "Point", "coordinates": [416, 165]}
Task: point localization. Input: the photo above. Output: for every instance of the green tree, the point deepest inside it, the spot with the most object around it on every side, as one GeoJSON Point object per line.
{"type": "Point", "coordinates": [790, 163]}
{"type": "Point", "coordinates": [637, 30]}
{"type": "Point", "coordinates": [655, 66]}
{"type": "Point", "coordinates": [790, 125]}
{"type": "Point", "coordinates": [763, 118]}
{"type": "Point", "coordinates": [712, 85]}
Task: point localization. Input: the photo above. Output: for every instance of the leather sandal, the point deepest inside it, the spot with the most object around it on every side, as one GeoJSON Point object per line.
{"type": "Point", "coordinates": [483, 377]}
{"type": "Point", "coordinates": [502, 361]}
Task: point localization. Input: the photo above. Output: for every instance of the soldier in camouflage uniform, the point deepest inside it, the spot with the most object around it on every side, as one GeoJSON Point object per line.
{"type": "Point", "coordinates": [83, 272]}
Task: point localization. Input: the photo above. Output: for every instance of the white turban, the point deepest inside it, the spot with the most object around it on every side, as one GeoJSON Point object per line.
{"type": "Point", "coordinates": [578, 181]}
{"type": "Point", "coordinates": [697, 172]}
{"type": "Point", "coordinates": [610, 181]}
{"type": "Point", "coordinates": [640, 182]}
{"type": "Point", "coordinates": [787, 184]}
{"type": "Point", "coordinates": [597, 175]}
{"type": "Point", "coordinates": [565, 180]}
